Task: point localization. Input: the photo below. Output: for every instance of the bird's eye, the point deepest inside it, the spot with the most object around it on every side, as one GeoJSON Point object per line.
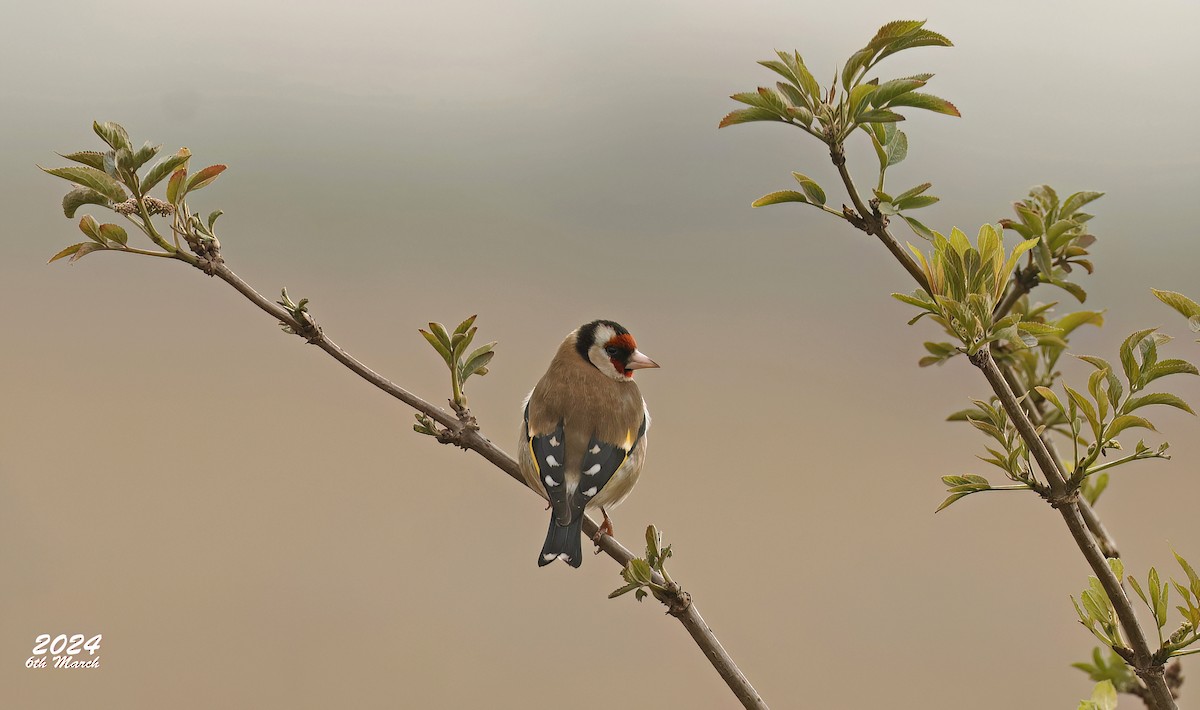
{"type": "Point", "coordinates": [612, 350]}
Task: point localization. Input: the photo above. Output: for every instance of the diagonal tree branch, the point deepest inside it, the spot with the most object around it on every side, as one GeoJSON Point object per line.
{"type": "Point", "coordinates": [462, 431]}
{"type": "Point", "coordinates": [1066, 501]}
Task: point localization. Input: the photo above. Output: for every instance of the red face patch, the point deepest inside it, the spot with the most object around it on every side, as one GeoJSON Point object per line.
{"type": "Point", "coordinates": [622, 341]}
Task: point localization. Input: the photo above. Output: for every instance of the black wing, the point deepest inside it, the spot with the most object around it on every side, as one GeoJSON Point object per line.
{"type": "Point", "coordinates": [549, 453]}
{"type": "Point", "coordinates": [600, 464]}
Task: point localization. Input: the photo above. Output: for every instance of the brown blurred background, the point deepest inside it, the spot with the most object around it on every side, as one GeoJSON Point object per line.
{"type": "Point", "coordinates": [251, 526]}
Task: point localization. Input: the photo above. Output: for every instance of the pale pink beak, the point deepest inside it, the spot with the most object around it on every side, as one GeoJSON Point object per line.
{"type": "Point", "coordinates": [638, 361]}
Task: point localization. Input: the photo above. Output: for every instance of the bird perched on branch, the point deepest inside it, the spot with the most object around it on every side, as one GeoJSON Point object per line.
{"type": "Point", "coordinates": [583, 438]}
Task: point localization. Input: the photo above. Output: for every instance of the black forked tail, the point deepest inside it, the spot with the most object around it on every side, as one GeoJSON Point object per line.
{"type": "Point", "coordinates": [563, 542]}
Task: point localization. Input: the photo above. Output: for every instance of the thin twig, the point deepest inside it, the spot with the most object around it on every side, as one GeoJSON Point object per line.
{"type": "Point", "coordinates": [871, 222]}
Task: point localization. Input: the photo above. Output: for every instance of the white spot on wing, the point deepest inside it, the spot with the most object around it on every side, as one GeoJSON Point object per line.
{"type": "Point", "coordinates": [549, 556]}
{"type": "Point", "coordinates": [593, 470]}
{"type": "Point", "coordinates": [554, 441]}
{"type": "Point", "coordinates": [590, 492]}
{"type": "Point", "coordinates": [550, 481]}
{"type": "Point", "coordinates": [552, 461]}
{"type": "Point", "coordinates": [595, 449]}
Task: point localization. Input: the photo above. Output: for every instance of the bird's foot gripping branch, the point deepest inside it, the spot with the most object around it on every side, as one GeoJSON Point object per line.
{"type": "Point", "coordinates": [979, 294]}
{"type": "Point", "coordinates": [118, 180]}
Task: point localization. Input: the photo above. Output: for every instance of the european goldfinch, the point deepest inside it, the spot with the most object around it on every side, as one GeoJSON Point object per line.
{"type": "Point", "coordinates": [583, 438]}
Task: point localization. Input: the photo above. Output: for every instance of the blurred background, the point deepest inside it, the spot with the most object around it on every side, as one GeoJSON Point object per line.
{"type": "Point", "coordinates": [249, 525]}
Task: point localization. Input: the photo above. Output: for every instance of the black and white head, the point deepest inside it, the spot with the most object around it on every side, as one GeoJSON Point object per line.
{"type": "Point", "coordinates": [611, 349]}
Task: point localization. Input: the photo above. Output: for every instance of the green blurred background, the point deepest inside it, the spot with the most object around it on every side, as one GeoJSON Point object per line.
{"type": "Point", "coordinates": [250, 526]}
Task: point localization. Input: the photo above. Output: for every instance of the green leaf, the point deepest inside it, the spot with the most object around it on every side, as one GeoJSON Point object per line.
{"type": "Point", "coordinates": [795, 97]}
{"type": "Point", "coordinates": [1049, 395]}
{"type": "Point", "coordinates": [929, 102]}
{"type": "Point", "coordinates": [772, 101]}
{"type": "Point", "coordinates": [113, 134]}
{"type": "Point", "coordinates": [920, 38]}
{"type": "Point", "coordinates": [142, 155]}
{"type": "Point", "coordinates": [917, 202]}
{"type": "Point", "coordinates": [90, 158]}
{"type": "Point", "coordinates": [1104, 697]}
{"type": "Point", "coordinates": [914, 301]}
{"type": "Point", "coordinates": [950, 499]}
{"type": "Point", "coordinates": [1138, 588]}
{"type": "Point", "coordinates": [879, 115]}
{"type": "Point", "coordinates": [85, 249]}
{"type": "Point", "coordinates": [440, 331]}
{"type": "Point", "coordinates": [782, 69]}
{"type": "Point", "coordinates": [1186, 306]}
{"type": "Point", "coordinates": [97, 180]}
{"type": "Point", "coordinates": [748, 115]}
{"type": "Point", "coordinates": [783, 196]}
{"type": "Point", "coordinates": [811, 189]}
{"type": "Point", "coordinates": [897, 148]}
{"type": "Point", "coordinates": [1072, 288]}
{"type": "Point", "coordinates": [89, 226]}
{"type": "Point", "coordinates": [1156, 398]}
{"type": "Point", "coordinates": [81, 196]}
{"type": "Point", "coordinates": [1126, 351]}
{"type": "Point", "coordinates": [204, 177]}
{"type": "Point", "coordinates": [918, 227]}
{"type": "Point", "coordinates": [913, 191]}
{"type": "Point", "coordinates": [855, 64]}
{"type": "Point", "coordinates": [465, 325]}
{"type": "Point", "coordinates": [212, 218]}
{"type": "Point", "coordinates": [894, 30]}
{"type": "Point", "coordinates": [1071, 321]}
{"type": "Point", "coordinates": [801, 114]}
{"type": "Point", "coordinates": [475, 363]}
{"type": "Point", "coordinates": [638, 570]}
{"type": "Point", "coordinates": [174, 193]}
{"type": "Point", "coordinates": [1193, 578]}
{"type": "Point", "coordinates": [1086, 407]}
{"type": "Point", "coordinates": [461, 340]}
{"type": "Point", "coordinates": [68, 251]}
{"type": "Point", "coordinates": [777, 197]}
{"type": "Point", "coordinates": [114, 233]}
{"type": "Point", "coordinates": [1074, 202]}
{"type": "Point", "coordinates": [1056, 232]}
{"type": "Point", "coordinates": [1168, 367]}
{"type": "Point", "coordinates": [807, 83]}
{"type": "Point", "coordinates": [442, 348]}
{"type": "Point", "coordinates": [165, 167]}
{"type": "Point", "coordinates": [889, 90]}
{"type": "Point", "coordinates": [1117, 566]}
{"type": "Point", "coordinates": [857, 96]}
{"type": "Point", "coordinates": [623, 590]}
{"type": "Point", "coordinates": [1038, 328]}
{"type": "Point", "coordinates": [1127, 421]}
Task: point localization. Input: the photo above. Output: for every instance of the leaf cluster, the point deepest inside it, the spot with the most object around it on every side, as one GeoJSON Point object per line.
{"type": "Point", "coordinates": [966, 282]}
{"type": "Point", "coordinates": [639, 572]}
{"type": "Point", "coordinates": [115, 179]}
{"type": "Point", "coordinates": [1111, 669]}
{"type": "Point", "coordinates": [1061, 233]}
{"type": "Point", "coordinates": [1185, 306]}
{"type": "Point", "coordinates": [1109, 405]}
{"type": "Point", "coordinates": [453, 349]}
{"type": "Point", "coordinates": [831, 115]}
{"type": "Point", "coordinates": [1096, 613]}
{"type": "Point", "coordinates": [1012, 456]}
